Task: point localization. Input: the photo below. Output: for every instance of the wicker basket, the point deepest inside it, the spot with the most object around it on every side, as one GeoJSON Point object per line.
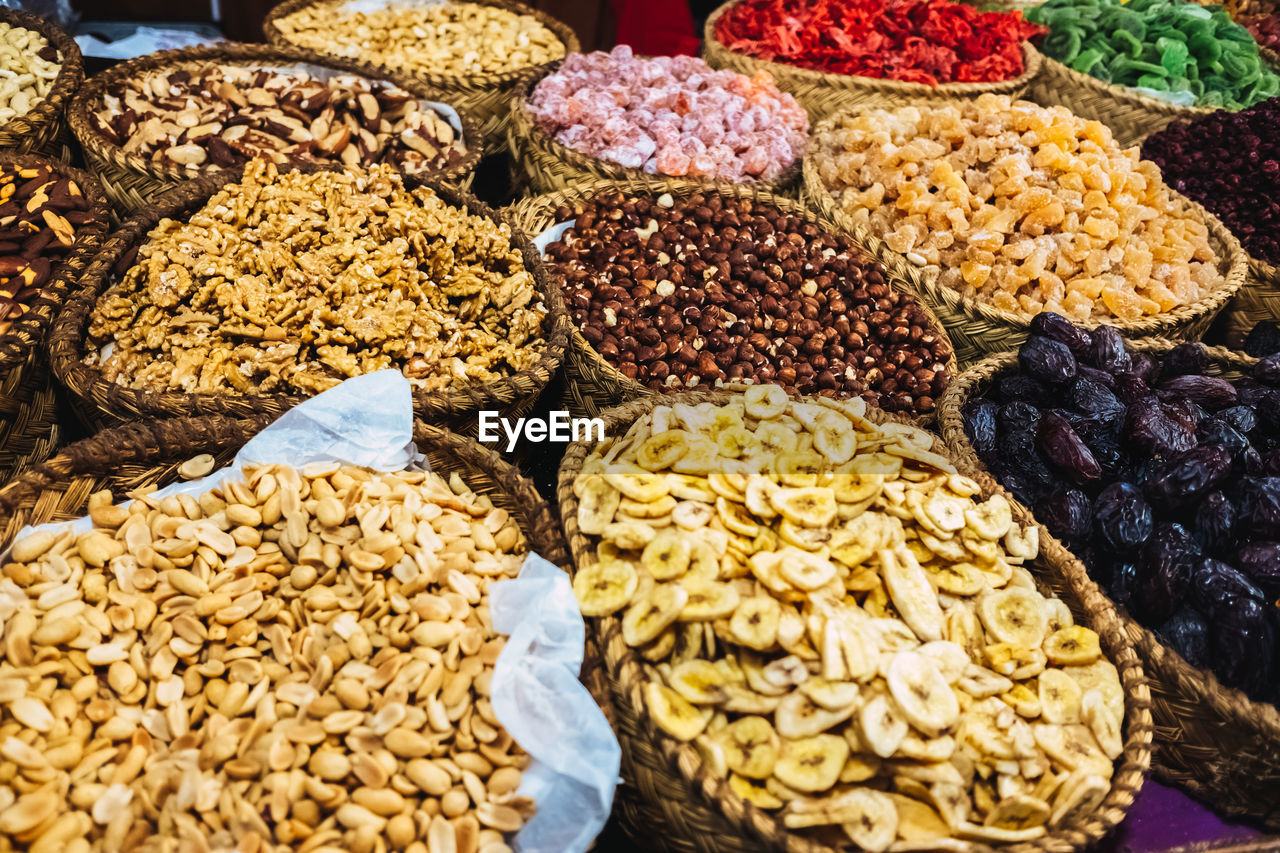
{"type": "Point", "coordinates": [133, 180]}
{"type": "Point", "coordinates": [486, 97]}
{"type": "Point", "coordinates": [978, 329]}
{"type": "Point", "coordinates": [1212, 739]}
{"type": "Point", "coordinates": [1130, 115]}
{"type": "Point", "coordinates": [675, 804]}
{"type": "Point", "coordinates": [822, 94]}
{"type": "Point", "coordinates": [548, 165]}
{"type": "Point", "coordinates": [1258, 300]}
{"type": "Point", "coordinates": [141, 454]}
{"type": "Point", "coordinates": [102, 403]}
{"type": "Point", "coordinates": [29, 428]}
{"type": "Point", "coordinates": [41, 131]}
{"type": "Point", "coordinates": [592, 384]}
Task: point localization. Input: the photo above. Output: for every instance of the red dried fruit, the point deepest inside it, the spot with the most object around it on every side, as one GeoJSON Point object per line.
{"type": "Point", "coordinates": [919, 41]}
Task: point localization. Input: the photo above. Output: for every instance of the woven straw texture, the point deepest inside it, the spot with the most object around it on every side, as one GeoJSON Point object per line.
{"type": "Point", "coordinates": [1210, 739]}
{"type": "Point", "coordinates": [486, 97]}
{"type": "Point", "coordinates": [28, 418]}
{"type": "Point", "coordinates": [548, 165]}
{"type": "Point", "coordinates": [591, 383]}
{"type": "Point", "coordinates": [102, 403]}
{"type": "Point", "coordinates": [1130, 116]}
{"type": "Point", "coordinates": [39, 130]}
{"type": "Point", "coordinates": [978, 329]}
{"type": "Point", "coordinates": [822, 94]}
{"type": "Point", "coordinates": [133, 181]}
{"type": "Point", "coordinates": [672, 802]}
{"type": "Point", "coordinates": [1258, 300]}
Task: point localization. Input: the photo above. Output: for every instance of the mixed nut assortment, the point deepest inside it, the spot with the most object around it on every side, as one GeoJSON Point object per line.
{"type": "Point", "coordinates": [216, 115]}
{"type": "Point", "coordinates": [1162, 477]}
{"type": "Point", "coordinates": [842, 626]}
{"type": "Point", "coordinates": [1023, 207]}
{"type": "Point", "coordinates": [40, 213]}
{"type": "Point", "coordinates": [710, 288]}
{"type": "Point", "coordinates": [292, 660]}
{"type": "Point", "coordinates": [442, 38]}
{"type": "Point", "coordinates": [28, 67]}
{"type": "Point", "coordinates": [289, 282]}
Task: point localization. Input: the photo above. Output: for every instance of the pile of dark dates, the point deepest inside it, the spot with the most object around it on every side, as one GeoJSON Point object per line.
{"type": "Point", "coordinates": [1164, 480]}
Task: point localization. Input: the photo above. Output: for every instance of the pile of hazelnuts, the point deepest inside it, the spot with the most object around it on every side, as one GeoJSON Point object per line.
{"type": "Point", "coordinates": [711, 289]}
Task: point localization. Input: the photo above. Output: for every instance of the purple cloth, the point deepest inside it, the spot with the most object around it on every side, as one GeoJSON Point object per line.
{"type": "Point", "coordinates": [1163, 818]}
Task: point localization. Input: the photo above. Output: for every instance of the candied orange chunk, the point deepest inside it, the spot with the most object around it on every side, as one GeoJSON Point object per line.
{"type": "Point", "coordinates": [974, 273]}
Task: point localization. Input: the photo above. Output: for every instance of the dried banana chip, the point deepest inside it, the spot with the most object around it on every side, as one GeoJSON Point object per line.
{"type": "Point", "coordinates": [843, 626]}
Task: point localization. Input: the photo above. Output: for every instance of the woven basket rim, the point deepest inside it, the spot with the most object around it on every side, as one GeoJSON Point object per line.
{"type": "Point", "coordinates": [523, 131]}
{"type": "Point", "coordinates": [66, 345]}
{"type": "Point", "coordinates": [1261, 718]}
{"type": "Point", "coordinates": [1264, 271]}
{"type": "Point", "coordinates": [562, 31]}
{"type": "Point", "coordinates": [684, 759]}
{"type": "Point", "coordinates": [899, 88]}
{"type": "Point", "coordinates": [27, 332]}
{"type": "Point", "coordinates": [1230, 256]}
{"type": "Point", "coordinates": [538, 206]}
{"type": "Point", "coordinates": [80, 112]}
{"type": "Point", "coordinates": [70, 75]}
{"type": "Point", "coordinates": [176, 438]}
{"type": "Point", "coordinates": [1129, 97]}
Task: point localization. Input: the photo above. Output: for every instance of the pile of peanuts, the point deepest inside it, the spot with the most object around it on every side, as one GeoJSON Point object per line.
{"type": "Point", "coordinates": [712, 289]}
{"type": "Point", "coordinates": [216, 115]}
{"type": "Point", "coordinates": [294, 659]}
{"type": "Point", "coordinates": [444, 38]}
{"type": "Point", "coordinates": [1024, 207]}
{"type": "Point", "coordinates": [28, 67]}
{"type": "Point", "coordinates": [289, 282]}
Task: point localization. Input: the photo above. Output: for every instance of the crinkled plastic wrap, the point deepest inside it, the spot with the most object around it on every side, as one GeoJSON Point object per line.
{"type": "Point", "coordinates": [538, 698]}
{"type": "Point", "coordinates": [368, 420]}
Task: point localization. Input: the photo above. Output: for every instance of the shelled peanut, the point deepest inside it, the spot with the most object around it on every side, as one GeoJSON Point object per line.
{"type": "Point", "coordinates": [40, 213]}
{"type": "Point", "coordinates": [215, 115]}
{"type": "Point", "coordinates": [1023, 207]}
{"type": "Point", "coordinates": [306, 279]}
{"type": "Point", "coordinates": [28, 67]}
{"type": "Point", "coordinates": [444, 38]}
{"type": "Point", "coordinates": [842, 626]}
{"type": "Point", "coordinates": [294, 659]}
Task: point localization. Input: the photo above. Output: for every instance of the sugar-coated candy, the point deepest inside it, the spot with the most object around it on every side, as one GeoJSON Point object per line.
{"type": "Point", "coordinates": [918, 41]}
{"type": "Point", "coordinates": [1170, 49]}
{"type": "Point", "coordinates": [1230, 163]}
{"type": "Point", "coordinates": [1024, 207]}
{"type": "Point", "coordinates": [671, 115]}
